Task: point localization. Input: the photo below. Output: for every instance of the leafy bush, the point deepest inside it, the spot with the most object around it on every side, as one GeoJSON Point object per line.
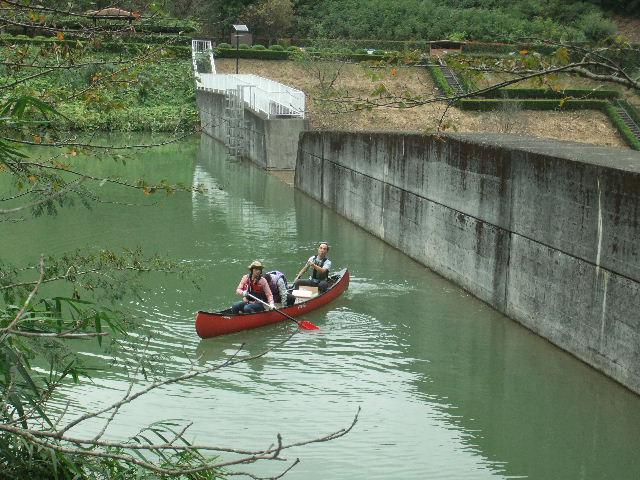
{"type": "Point", "coordinates": [248, 53]}
{"type": "Point", "coordinates": [257, 46]}
{"type": "Point", "coordinates": [224, 45]}
{"type": "Point", "coordinates": [293, 49]}
{"type": "Point", "coordinates": [277, 48]}
{"type": "Point", "coordinates": [441, 81]}
{"type": "Point", "coordinates": [533, 104]}
{"type": "Point", "coordinates": [243, 46]}
{"type": "Point", "coordinates": [575, 93]}
{"type": "Point", "coordinates": [622, 127]}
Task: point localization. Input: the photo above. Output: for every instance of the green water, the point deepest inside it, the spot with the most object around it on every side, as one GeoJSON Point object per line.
{"type": "Point", "coordinates": [449, 389]}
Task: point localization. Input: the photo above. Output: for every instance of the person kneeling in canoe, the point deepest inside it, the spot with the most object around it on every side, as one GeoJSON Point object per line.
{"type": "Point", "coordinates": [320, 266]}
{"type": "Point", "coordinates": [253, 284]}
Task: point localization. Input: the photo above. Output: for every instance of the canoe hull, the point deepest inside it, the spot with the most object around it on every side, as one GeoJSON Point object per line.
{"type": "Point", "coordinates": [213, 324]}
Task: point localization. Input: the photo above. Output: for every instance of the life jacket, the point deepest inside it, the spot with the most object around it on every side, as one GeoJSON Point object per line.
{"type": "Point", "coordinates": [319, 276]}
{"type": "Point", "coordinates": [256, 289]}
{"type": "Point", "coordinates": [273, 284]}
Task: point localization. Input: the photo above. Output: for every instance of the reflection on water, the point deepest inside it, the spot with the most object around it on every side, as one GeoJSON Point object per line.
{"type": "Point", "coordinates": [448, 387]}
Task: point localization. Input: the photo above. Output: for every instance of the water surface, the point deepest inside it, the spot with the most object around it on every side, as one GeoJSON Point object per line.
{"type": "Point", "coordinates": [449, 388]}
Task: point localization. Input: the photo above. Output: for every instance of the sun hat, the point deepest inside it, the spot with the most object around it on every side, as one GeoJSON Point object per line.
{"type": "Point", "coordinates": [255, 264]}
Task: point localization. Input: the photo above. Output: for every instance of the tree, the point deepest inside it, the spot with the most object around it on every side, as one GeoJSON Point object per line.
{"type": "Point", "coordinates": [271, 18]}
{"type": "Point", "coordinates": [37, 325]}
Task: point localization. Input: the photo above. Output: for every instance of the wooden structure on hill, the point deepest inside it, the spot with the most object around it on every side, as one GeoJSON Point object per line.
{"type": "Point", "coordinates": [113, 13]}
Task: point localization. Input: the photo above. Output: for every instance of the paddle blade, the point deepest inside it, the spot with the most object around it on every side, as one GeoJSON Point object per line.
{"type": "Point", "coordinates": [306, 325]}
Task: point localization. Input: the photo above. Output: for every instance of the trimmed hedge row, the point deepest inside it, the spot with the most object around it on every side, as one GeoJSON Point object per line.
{"type": "Point", "coordinates": [505, 48]}
{"type": "Point", "coordinates": [248, 53]}
{"type": "Point", "coordinates": [267, 54]}
{"type": "Point", "coordinates": [398, 45]}
{"type": "Point", "coordinates": [622, 127]}
{"type": "Point", "coordinates": [542, 93]}
{"type": "Point", "coordinates": [440, 80]}
{"type": "Point", "coordinates": [552, 104]}
{"type": "Point", "coordinates": [486, 105]}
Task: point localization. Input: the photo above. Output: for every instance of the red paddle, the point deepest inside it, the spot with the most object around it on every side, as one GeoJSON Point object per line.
{"type": "Point", "coordinates": [303, 324]}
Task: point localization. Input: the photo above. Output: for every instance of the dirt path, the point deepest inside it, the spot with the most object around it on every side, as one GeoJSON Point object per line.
{"type": "Point", "coordinates": [357, 82]}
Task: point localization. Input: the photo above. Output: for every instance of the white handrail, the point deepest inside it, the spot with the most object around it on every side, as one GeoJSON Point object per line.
{"type": "Point", "coordinates": [200, 48]}
{"type": "Point", "coordinates": [258, 93]}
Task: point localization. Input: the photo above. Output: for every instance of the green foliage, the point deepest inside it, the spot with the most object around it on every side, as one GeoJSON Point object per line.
{"type": "Point", "coordinates": [259, 47]}
{"type": "Point", "coordinates": [249, 53]}
{"type": "Point", "coordinates": [158, 97]}
{"type": "Point", "coordinates": [224, 45]}
{"type": "Point", "coordinates": [622, 127]}
{"type": "Point", "coordinates": [277, 48]}
{"type": "Point", "coordinates": [441, 81]}
{"type": "Point", "coordinates": [543, 93]}
{"type": "Point", "coordinates": [457, 19]}
{"type": "Point", "coordinates": [532, 104]}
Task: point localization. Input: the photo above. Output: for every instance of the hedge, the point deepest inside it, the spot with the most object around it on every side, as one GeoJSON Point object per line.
{"type": "Point", "coordinates": [288, 54]}
{"type": "Point", "coordinates": [505, 48]}
{"type": "Point", "coordinates": [631, 110]}
{"type": "Point", "coordinates": [255, 54]}
{"type": "Point", "coordinates": [531, 104]}
{"type": "Point", "coordinates": [543, 93]}
{"type": "Point", "coordinates": [622, 127]}
{"type": "Point", "coordinates": [441, 82]}
{"type": "Point", "coordinates": [398, 45]}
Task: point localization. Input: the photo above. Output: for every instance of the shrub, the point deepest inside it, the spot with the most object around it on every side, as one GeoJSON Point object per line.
{"type": "Point", "coordinates": [543, 93]}
{"type": "Point", "coordinates": [293, 48]}
{"type": "Point", "coordinates": [441, 82]}
{"type": "Point", "coordinates": [249, 53]}
{"type": "Point", "coordinates": [243, 46]}
{"type": "Point", "coordinates": [276, 48]}
{"type": "Point", "coordinates": [224, 45]}
{"type": "Point", "coordinates": [622, 127]}
{"type": "Point", "coordinates": [257, 46]}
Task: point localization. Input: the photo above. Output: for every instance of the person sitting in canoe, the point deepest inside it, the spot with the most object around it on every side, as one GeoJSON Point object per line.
{"type": "Point", "coordinates": [320, 264]}
{"type": "Point", "coordinates": [254, 284]}
{"type": "Point", "coordinates": [278, 284]}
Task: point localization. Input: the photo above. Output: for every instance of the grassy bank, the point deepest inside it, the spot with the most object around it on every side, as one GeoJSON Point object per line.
{"type": "Point", "coordinates": [152, 91]}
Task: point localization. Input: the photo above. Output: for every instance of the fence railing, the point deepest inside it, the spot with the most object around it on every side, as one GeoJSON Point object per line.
{"type": "Point", "coordinates": [260, 94]}
{"type": "Point", "coordinates": [201, 51]}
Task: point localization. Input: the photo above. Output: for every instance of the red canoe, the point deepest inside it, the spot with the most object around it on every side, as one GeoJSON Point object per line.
{"type": "Point", "coordinates": [219, 323]}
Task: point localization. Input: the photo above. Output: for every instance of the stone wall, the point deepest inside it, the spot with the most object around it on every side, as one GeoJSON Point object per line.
{"type": "Point", "coordinates": [547, 232]}
{"type": "Point", "coordinates": [271, 143]}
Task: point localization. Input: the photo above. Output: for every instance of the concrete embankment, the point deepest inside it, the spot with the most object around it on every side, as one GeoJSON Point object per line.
{"type": "Point", "coordinates": [546, 232]}
{"type": "Point", "coordinates": [271, 143]}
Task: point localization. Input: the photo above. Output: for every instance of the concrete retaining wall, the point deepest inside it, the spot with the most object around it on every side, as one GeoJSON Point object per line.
{"type": "Point", "coordinates": [546, 232]}
{"type": "Point", "coordinates": [270, 143]}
